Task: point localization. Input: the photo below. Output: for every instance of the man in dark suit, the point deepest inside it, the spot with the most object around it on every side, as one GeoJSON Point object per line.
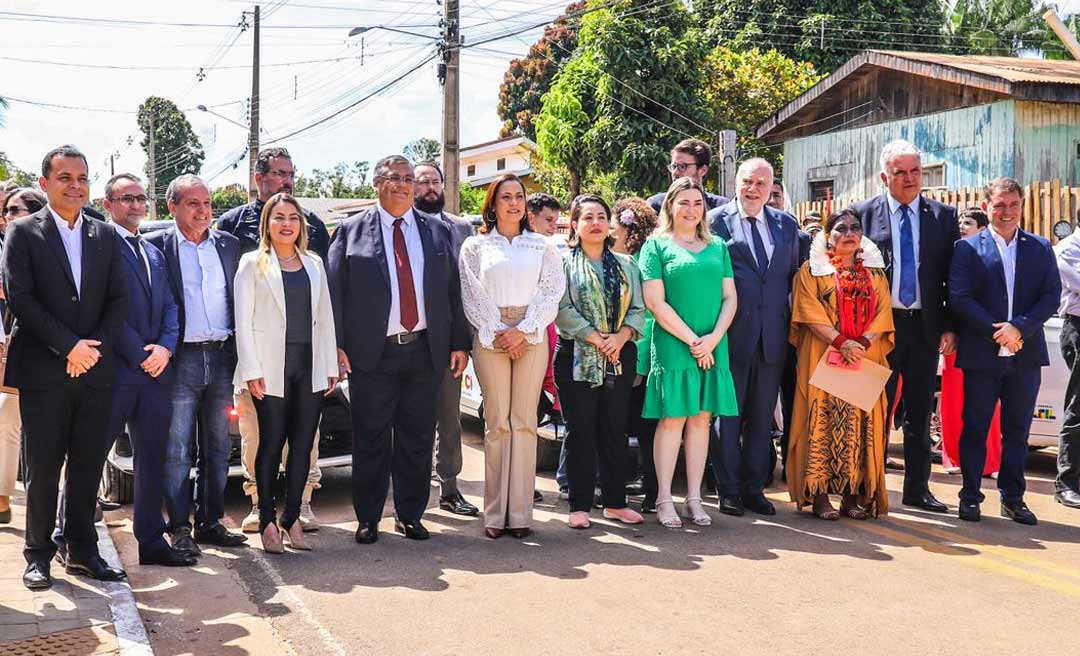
{"type": "Point", "coordinates": [430, 200]}
{"type": "Point", "coordinates": [916, 237]}
{"type": "Point", "coordinates": [202, 263]}
{"type": "Point", "coordinates": [65, 285]}
{"type": "Point", "coordinates": [690, 158]}
{"type": "Point", "coordinates": [1003, 286]}
{"type": "Point", "coordinates": [764, 247]}
{"type": "Point", "coordinates": [274, 173]}
{"type": "Point", "coordinates": [144, 349]}
{"type": "Point", "coordinates": [397, 299]}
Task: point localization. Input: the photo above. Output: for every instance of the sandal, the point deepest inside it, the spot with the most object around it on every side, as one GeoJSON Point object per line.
{"type": "Point", "coordinates": [824, 510]}
{"type": "Point", "coordinates": [624, 515]}
{"type": "Point", "coordinates": [666, 515]}
{"type": "Point", "coordinates": [851, 508]}
{"type": "Point", "coordinates": [693, 510]}
{"type": "Point", "coordinates": [579, 520]}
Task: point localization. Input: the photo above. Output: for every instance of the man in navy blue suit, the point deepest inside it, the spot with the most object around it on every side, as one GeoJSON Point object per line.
{"type": "Point", "coordinates": [1003, 286]}
{"type": "Point", "coordinates": [764, 247]}
{"type": "Point", "coordinates": [141, 400]}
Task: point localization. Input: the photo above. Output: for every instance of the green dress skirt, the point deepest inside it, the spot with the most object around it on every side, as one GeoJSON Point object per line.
{"type": "Point", "coordinates": [693, 286]}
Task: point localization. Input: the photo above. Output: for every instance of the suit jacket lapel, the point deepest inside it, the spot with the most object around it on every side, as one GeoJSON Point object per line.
{"type": "Point", "coordinates": [52, 237]}
{"type": "Point", "coordinates": [777, 233]}
{"type": "Point", "coordinates": [989, 247]}
{"type": "Point", "coordinates": [429, 250]}
{"type": "Point", "coordinates": [927, 223]}
{"type": "Point", "coordinates": [228, 264]}
{"type": "Point", "coordinates": [274, 280]}
{"type": "Point", "coordinates": [316, 284]}
{"type": "Point", "coordinates": [133, 261]}
{"type": "Point", "coordinates": [91, 249]}
{"type": "Point", "coordinates": [739, 246]}
{"type": "Point", "coordinates": [375, 231]}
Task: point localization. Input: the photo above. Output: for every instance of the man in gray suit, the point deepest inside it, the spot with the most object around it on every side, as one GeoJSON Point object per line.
{"type": "Point", "coordinates": [764, 247]}
{"type": "Point", "coordinates": [429, 199]}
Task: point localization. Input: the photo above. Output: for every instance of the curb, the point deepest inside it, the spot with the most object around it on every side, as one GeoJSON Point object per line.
{"type": "Point", "coordinates": [130, 632]}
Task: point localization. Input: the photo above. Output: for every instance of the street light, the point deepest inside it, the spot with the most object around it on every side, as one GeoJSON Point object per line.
{"type": "Point", "coordinates": [360, 30]}
{"type": "Point", "coordinates": [203, 108]}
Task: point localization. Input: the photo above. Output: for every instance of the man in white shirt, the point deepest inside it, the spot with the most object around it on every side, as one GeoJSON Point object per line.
{"type": "Point", "coordinates": [1067, 482]}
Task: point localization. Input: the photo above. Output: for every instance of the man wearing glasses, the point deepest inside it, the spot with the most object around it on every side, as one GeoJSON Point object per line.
{"type": "Point", "coordinates": [690, 159]}
{"type": "Point", "coordinates": [400, 323]}
{"type": "Point", "coordinates": [274, 173]}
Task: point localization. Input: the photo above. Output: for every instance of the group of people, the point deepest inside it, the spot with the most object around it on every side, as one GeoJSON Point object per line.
{"type": "Point", "coordinates": [681, 320]}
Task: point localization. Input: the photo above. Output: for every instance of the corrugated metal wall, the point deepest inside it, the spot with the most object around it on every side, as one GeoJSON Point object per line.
{"type": "Point", "coordinates": [975, 144]}
{"type": "Point", "coordinates": [1048, 142]}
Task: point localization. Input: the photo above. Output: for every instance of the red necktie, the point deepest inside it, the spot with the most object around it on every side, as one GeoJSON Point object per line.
{"type": "Point", "coordinates": [406, 291]}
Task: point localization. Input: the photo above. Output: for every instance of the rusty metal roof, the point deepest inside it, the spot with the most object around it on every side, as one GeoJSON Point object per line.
{"type": "Point", "coordinates": [1013, 69]}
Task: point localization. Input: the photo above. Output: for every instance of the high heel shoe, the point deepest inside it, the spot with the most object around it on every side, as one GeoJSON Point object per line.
{"type": "Point", "coordinates": [666, 515]}
{"type": "Point", "coordinates": [271, 539]}
{"type": "Point", "coordinates": [694, 511]}
{"type": "Point", "coordinates": [294, 537]}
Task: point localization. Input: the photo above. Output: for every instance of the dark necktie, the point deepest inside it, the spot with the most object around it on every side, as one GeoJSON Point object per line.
{"type": "Point", "coordinates": [134, 241]}
{"type": "Point", "coordinates": [908, 274]}
{"type": "Point", "coordinates": [760, 253]}
{"type": "Point", "coordinates": [406, 291]}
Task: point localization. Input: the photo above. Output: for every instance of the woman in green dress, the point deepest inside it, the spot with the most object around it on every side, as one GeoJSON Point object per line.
{"type": "Point", "coordinates": [690, 290]}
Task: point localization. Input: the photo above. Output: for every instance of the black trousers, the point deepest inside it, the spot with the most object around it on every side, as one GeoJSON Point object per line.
{"type": "Point", "coordinates": [596, 417]}
{"type": "Point", "coordinates": [916, 360]}
{"type": "Point", "coordinates": [645, 430]}
{"type": "Point", "coordinates": [744, 460]}
{"type": "Point", "coordinates": [67, 421]}
{"type": "Point", "coordinates": [292, 418]}
{"type": "Point", "coordinates": [393, 415]}
{"type": "Point", "coordinates": [1068, 462]}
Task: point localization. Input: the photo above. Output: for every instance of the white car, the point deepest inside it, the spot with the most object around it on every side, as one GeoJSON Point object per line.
{"type": "Point", "coordinates": [1050, 405]}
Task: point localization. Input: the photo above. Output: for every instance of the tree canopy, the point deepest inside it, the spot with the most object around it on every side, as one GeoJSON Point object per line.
{"type": "Point", "coordinates": [421, 150]}
{"type": "Point", "coordinates": [342, 181]}
{"type": "Point", "coordinates": [177, 149]}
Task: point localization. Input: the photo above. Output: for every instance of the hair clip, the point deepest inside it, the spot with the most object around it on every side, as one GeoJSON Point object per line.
{"type": "Point", "coordinates": [627, 217]}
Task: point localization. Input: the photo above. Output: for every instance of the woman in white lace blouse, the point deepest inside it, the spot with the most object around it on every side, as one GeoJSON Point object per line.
{"type": "Point", "coordinates": [511, 283]}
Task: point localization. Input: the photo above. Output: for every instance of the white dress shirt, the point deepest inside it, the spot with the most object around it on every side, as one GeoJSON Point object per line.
{"type": "Point", "coordinates": [894, 222]}
{"type": "Point", "coordinates": [415, 246]}
{"type": "Point", "coordinates": [1068, 261]}
{"type": "Point", "coordinates": [761, 226]}
{"type": "Point", "coordinates": [1008, 262]}
{"type": "Point", "coordinates": [72, 238]}
{"type": "Point", "coordinates": [126, 234]}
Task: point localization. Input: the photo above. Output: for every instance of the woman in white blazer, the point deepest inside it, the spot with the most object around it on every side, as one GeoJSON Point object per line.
{"type": "Point", "coordinates": [287, 357]}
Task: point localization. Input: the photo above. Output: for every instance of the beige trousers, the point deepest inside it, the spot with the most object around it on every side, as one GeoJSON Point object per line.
{"type": "Point", "coordinates": [10, 432]}
{"type": "Point", "coordinates": [249, 445]}
{"type": "Point", "coordinates": [511, 391]}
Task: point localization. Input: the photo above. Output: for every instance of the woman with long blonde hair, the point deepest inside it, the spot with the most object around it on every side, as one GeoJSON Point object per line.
{"type": "Point", "coordinates": [287, 358]}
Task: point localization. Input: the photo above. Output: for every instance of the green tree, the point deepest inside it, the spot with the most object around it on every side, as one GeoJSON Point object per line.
{"type": "Point", "coordinates": [470, 199]}
{"type": "Point", "coordinates": [342, 181]}
{"type": "Point", "coordinates": [225, 198]}
{"type": "Point", "coordinates": [8, 171]}
{"type": "Point", "coordinates": [422, 150]}
{"type": "Point", "coordinates": [177, 148]}
{"type": "Point", "coordinates": [825, 33]}
{"type": "Point", "coordinates": [630, 92]}
{"type": "Point", "coordinates": [529, 78]}
{"type": "Point", "coordinates": [1000, 27]}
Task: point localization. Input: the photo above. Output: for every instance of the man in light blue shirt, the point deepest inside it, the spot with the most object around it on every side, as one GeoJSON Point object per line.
{"type": "Point", "coordinates": [201, 263]}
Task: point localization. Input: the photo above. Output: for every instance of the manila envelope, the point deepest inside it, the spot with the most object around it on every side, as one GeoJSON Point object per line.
{"type": "Point", "coordinates": [861, 388]}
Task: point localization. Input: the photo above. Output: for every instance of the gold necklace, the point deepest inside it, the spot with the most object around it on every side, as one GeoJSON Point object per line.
{"type": "Point", "coordinates": [286, 260]}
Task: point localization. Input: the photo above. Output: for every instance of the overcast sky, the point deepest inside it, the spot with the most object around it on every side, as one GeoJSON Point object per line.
{"type": "Point", "coordinates": [94, 65]}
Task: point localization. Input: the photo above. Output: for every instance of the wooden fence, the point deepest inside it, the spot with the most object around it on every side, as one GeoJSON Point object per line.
{"type": "Point", "coordinates": [1045, 203]}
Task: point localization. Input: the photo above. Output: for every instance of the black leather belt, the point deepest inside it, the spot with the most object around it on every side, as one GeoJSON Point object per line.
{"type": "Point", "coordinates": [401, 339]}
{"type": "Point", "coordinates": [214, 345]}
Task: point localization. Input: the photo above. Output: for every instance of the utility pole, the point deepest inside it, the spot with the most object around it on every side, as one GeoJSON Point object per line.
{"type": "Point", "coordinates": [153, 167]}
{"type": "Point", "coordinates": [448, 76]}
{"type": "Point", "coordinates": [726, 170]}
{"type": "Point", "coordinates": [1063, 33]}
{"type": "Point", "coordinates": [112, 166]}
{"type": "Point", "coordinates": [253, 136]}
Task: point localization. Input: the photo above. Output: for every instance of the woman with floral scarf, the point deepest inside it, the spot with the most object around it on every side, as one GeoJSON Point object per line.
{"type": "Point", "coordinates": [600, 315]}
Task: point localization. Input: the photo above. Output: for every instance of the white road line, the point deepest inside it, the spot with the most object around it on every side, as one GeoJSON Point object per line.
{"type": "Point", "coordinates": [130, 632]}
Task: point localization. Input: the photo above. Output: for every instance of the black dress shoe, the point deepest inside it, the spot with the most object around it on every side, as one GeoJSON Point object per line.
{"type": "Point", "coordinates": [61, 555]}
{"type": "Point", "coordinates": [168, 557]}
{"type": "Point", "coordinates": [1068, 498]}
{"type": "Point", "coordinates": [367, 533]}
{"type": "Point", "coordinates": [180, 539]}
{"type": "Point", "coordinates": [892, 465]}
{"type": "Point", "coordinates": [969, 511]}
{"type": "Point", "coordinates": [648, 506]}
{"type": "Point", "coordinates": [731, 505]}
{"type": "Point", "coordinates": [107, 506]}
{"type": "Point", "coordinates": [457, 504]}
{"type": "Point", "coordinates": [1018, 512]}
{"type": "Point", "coordinates": [219, 535]}
{"type": "Point", "coordinates": [635, 487]}
{"type": "Point", "coordinates": [759, 504]}
{"type": "Point", "coordinates": [926, 502]}
{"type": "Point", "coordinates": [411, 530]}
{"type": "Point", "coordinates": [537, 496]}
{"type": "Point", "coordinates": [95, 567]}
{"type": "Point", "coordinates": [36, 576]}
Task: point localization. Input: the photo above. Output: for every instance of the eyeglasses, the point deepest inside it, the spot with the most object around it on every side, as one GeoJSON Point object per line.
{"type": "Point", "coordinates": [680, 167]}
{"type": "Point", "coordinates": [128, 199]}
{"type": "Point", "coordinates": [398, 180]}
{"type": "Point", "coordinates": [15, 210]}
{"type": "Point", "coordinates": [843, 229]}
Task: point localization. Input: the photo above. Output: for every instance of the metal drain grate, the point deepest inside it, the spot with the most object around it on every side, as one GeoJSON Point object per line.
{"type": "Point", "coordinates": [76, 642]}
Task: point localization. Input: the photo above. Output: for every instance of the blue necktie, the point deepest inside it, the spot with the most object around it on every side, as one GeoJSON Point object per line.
{"type": "Point", "coordinates": [908, 274]}
{"type": "Point", "coordinates": [759, 246]}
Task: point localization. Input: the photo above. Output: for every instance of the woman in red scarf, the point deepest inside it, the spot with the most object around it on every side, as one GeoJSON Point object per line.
{"type": "Point", "coordinates": [841, 300]}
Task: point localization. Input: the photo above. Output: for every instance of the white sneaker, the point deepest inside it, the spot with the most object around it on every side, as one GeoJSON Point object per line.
{"type": "Point", "coordinates": [307, 518]}
{"type": "Point", "coordinates": [564, 494]}
{"type": "Point", "coordinates": [251, 522]}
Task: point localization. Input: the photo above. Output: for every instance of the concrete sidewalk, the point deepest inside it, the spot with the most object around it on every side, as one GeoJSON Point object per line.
{"type": "Point", "coordinates": [76, 616]}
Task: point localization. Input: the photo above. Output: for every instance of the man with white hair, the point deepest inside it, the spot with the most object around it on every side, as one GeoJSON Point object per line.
{"type": "Point", "coordinates": [916, 237]}
{"type": "Point", "coordinates": [764, 247]}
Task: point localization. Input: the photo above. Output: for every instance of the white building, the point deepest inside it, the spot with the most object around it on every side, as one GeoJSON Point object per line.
{"type": "Point", "coordinates": [482, 163]}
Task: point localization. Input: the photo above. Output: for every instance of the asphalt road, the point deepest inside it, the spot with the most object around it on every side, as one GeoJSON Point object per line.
{"type": "Point", "coordinates": [913, 583]}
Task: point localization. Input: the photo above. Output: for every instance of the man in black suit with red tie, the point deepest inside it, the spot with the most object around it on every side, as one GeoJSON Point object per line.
{"type": "Point", "coordinates": [397, 303]}
{"type": "Point", "coordinates": [916, 237]}
{"type": "Point", "coordinates": [66, 288]}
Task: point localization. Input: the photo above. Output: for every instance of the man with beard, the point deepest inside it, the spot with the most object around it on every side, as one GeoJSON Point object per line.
{"type": "Point", "coordinates": [429, 199]}
{"type": "Point", "coordinates": [274, 173]}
